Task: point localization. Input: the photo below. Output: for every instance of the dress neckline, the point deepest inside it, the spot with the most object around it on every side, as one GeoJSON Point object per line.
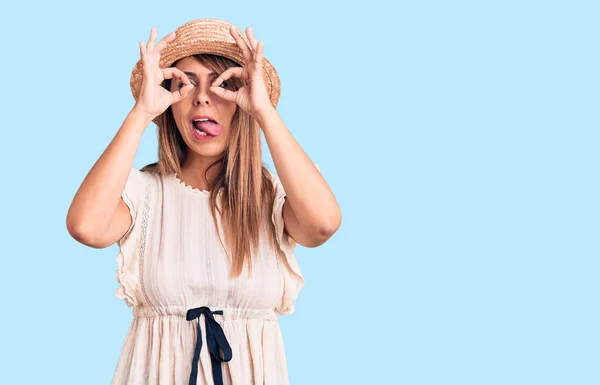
{"type": "Point", "coordinates": [189, 188]}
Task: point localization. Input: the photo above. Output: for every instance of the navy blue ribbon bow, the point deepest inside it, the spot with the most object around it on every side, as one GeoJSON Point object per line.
{"type": "Point", "coordinates": [215, 339]}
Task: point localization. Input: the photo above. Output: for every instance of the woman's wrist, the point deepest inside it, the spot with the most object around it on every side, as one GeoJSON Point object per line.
{"type": "Point", "coordinates": [140, 113]}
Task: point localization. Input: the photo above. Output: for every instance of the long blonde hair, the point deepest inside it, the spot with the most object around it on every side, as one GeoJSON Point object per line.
{"type": "Point", "coordinates": [248, 194]}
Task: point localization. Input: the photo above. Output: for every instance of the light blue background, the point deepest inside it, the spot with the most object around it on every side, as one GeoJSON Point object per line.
{"type": "Point", "coordinates": [460, 139]}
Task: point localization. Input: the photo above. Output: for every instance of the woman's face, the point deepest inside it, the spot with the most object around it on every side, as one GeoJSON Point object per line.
{"type": "Point", "coordinates": [201, 101]}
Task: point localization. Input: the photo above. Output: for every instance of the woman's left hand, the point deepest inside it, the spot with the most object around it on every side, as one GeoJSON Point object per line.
{"type": "Point", "coordinates": [253, 96]}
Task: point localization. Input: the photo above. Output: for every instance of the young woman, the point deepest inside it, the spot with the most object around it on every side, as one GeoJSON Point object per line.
{"type": "Point", "coordinates": [206, 234]}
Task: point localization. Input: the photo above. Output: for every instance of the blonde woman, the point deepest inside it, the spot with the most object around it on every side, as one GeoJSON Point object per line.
{"type": "Point", "coordinates": [206, 234]}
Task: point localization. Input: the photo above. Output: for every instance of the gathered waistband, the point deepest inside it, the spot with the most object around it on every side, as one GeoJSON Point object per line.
{"type": "Point", "coordinates": [229, 313]}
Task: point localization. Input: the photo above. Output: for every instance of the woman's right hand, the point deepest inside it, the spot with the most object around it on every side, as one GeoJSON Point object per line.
{"type": "Point", "coordinates": [154, 99]}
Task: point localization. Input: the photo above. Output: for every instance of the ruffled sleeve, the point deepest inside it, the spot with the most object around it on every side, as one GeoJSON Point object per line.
{"type": "Point", "coordinates": [127, 259]}
{"type": "Point", "coordinates": [292, 275]}
{"type": "Point", "coordinates": [133, 195]}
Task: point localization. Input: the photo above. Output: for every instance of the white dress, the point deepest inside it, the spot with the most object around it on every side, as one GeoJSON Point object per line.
{"type": "Point", "coordinates": [171, 261]}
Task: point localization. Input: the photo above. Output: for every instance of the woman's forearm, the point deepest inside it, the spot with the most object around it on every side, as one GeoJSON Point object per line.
{"type": "Point", "coordinates": [312, 201]}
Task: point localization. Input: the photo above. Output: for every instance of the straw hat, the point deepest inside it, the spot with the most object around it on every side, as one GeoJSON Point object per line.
{"type": "Point", "coordinates": [206, 36]}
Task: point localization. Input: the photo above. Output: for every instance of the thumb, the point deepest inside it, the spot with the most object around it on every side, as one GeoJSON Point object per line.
{"type": "Point", "coordinates": [228, 95]}
{"type": "Point", "coordinates": [182, 93]}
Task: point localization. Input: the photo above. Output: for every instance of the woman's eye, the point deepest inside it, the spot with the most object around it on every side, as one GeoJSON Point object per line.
{"type": "Point", "coordinates": [181, 84]}
{"type": "Point", "coordinates": [224, 84]}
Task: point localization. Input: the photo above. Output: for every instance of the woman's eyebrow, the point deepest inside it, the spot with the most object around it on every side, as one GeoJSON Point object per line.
{"type": "Point", "coordinates": [193, 74]}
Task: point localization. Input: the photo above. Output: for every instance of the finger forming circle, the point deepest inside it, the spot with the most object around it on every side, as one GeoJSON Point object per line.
{"type": "Point", "coordinates": [228, 74]}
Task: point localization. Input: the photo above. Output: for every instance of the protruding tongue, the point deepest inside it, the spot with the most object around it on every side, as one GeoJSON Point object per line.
{"type": "Point", "coordinates": [211, 128]}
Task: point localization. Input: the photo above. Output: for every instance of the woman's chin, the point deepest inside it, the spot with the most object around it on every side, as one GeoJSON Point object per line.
{"type": "Point", "coordinates": [209, 149]}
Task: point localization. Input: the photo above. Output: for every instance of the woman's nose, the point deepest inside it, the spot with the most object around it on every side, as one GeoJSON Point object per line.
{"type": "Point", "coordinates": [203, 94]}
